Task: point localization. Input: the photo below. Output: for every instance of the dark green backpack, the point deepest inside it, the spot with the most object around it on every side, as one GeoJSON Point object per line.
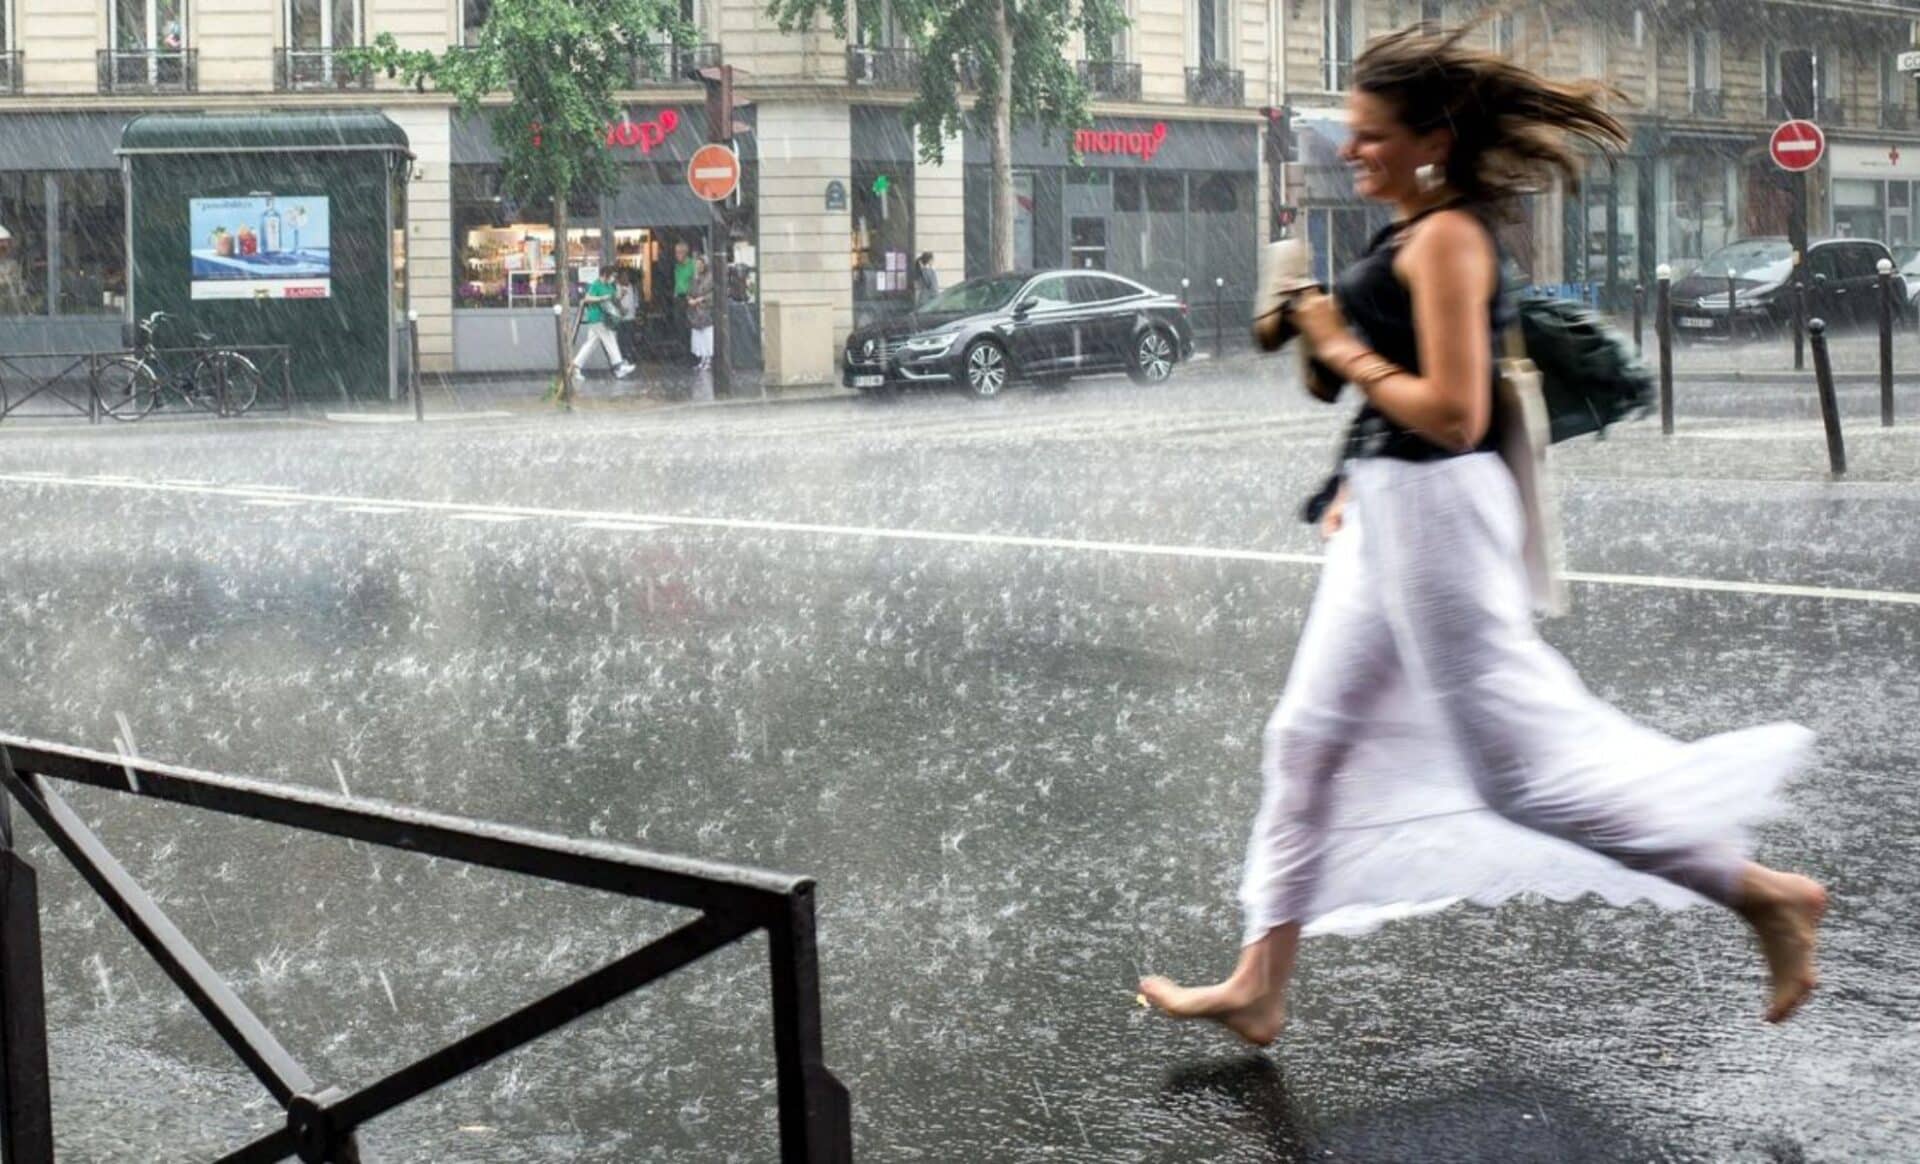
{"type": "Point", "coordinates": [1589, 374]}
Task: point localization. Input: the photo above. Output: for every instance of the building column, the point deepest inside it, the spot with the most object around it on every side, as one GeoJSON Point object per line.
{"type": "Point", "coordinates": [429, 244]}
{"type": "Point", "coordinates": [804, 246]}
{"type": "Point", "coordinates": [940, 211]}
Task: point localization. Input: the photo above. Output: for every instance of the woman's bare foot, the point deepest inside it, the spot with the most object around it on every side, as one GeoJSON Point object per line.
{"type": "Point", "coordinates": [1784, 910]}
{"type": "Point", "coordinates": [1246, 1010]}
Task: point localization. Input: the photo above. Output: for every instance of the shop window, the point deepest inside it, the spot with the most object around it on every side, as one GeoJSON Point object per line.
{"type": "Point", "coordinates": [882, 242]}
{"type": "Point", "coordinates": [23, 243]}
{"type": "Point", "coordinates": [1127, 193]}
{"type": "Point", "coordinates": [1857, 210]}
{"type": "Point", "coordinates": [504, 252]}
{"type": "Point", "coordinates": [1089, 243]}
{"type": "Point", "coordinates": [93, 278]}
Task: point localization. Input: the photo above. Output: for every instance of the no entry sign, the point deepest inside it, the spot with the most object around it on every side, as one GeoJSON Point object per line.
{"type": "Point", "coordinates": [1797, 145]}
{"type": "Point", "coordinates": [713, 172]}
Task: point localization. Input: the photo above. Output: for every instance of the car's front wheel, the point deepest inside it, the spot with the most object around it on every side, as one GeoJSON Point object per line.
{"type": "Point", "coordinates": [985, 364]}
{"type": "Point", "coordinates": [1152, 357]}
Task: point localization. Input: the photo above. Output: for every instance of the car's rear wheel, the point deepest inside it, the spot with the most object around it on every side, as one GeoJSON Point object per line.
{"type": "Point", "coordinates": [986, 369]}
{"type": "Point", "coordinates": [1152, 358]}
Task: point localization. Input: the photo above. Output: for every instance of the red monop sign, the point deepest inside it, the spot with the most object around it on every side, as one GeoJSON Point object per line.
{"type": "Point", "coordinates": [1112, 141]}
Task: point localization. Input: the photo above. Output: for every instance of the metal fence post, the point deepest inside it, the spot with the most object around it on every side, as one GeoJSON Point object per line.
{"type": "Point", "coordinates": [1663, 331]}
{"type": "Point", "coordinates": [1639, 307]}
{"type": "Point", "coordinates": [1829, 405]}
{"type": "Point", "coordinates": [1886, 343]}
{"type": "Point", "coordinates": [1730, 277]}
{"type": "Point", "coordinates": [815, 1113]}
{"type": "Point", "coordinates": [1219, 319]}
{"type": "Point", "coordinates": [413, 363]}
{"type": "Point", "coordinates": [26, 1098]}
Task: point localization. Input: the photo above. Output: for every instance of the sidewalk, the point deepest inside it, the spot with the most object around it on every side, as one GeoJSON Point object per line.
{"type": "Point", "coordinates": [653, 388]}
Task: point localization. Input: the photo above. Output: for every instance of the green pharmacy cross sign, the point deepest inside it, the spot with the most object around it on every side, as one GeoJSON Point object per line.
{"type": "Point", "coordinates": [881, 185]}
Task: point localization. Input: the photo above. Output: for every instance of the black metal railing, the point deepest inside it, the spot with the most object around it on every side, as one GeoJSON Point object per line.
{"type": "Point", "coordinates": [321, 1122]}
{"type": "Point", "coordinates": [1893, 116]}
{"type": "Point", "coordinates": [149, 70]}
{"type": "Point", "coordinates": [298, 70]}
{"type": "Point", "coordinates": [883, 68]}
{"type": "Point", "coordinates": [1113, 80]}
{"type": "Point", "coordinates": [1216, 85]}
{"type": "Point", "coordinates": [1707, 102]}
{"type": "Point", "coordinates": [668, 64]}
{"type": "Point", "coordinates": [11, 68]}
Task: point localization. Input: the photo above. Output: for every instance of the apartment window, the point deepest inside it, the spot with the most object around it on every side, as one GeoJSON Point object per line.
{"type": "Point", "coordinates": [1770, 72]}
{"type": "Point", "coordinates": [1336, 23]}
{"type": "Point", "coordinates": [149, 24]}
{"type": "Point", "coordinates": [886, 31]}
{"type": "Point", "coordinates": [473, 17]}
{"type": "Point", "coordinates": [1215, 33]}
{"type": "Point", "coordinates": [323, 24]}
{"type": "Point", "coordinates": [1506, 33]}
{"type": "Point", "coordinates": [1593, 50]}
{"type": "Point", "coordinates": [1890, 80]}
{"type": "Point", "coordinates": [1433, 13]}
{"type": "Point", "coordinates": [1120, 46]}
{"type": "Point", "coordinates": [1703, 60]}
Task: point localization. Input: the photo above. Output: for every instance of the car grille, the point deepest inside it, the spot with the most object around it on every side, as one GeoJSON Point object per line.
{"type": "Point", "coordinates": [883, 350]}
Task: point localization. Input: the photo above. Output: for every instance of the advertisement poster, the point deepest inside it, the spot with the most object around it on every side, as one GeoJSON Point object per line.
{"type": "Point", "coordinates": [260, 247]}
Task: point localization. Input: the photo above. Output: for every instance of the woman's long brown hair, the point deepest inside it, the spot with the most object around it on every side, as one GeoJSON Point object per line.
{"type": "Point", "coordinates": [1512, 128]}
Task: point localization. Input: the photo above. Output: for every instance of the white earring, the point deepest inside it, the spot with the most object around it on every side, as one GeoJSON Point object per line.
{"type": "Point", "coordinates": [1429, 177]}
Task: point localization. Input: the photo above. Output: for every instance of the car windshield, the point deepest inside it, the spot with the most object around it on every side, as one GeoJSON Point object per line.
{"type": "Point", "coordinates": [1758, 260]}
{"type": "Point", "coordinates": [974, 295]}
{"type": "Point", "coordinates": [1905, 254]}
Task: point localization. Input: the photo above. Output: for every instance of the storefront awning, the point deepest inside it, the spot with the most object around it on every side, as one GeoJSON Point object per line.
{"type": "Point", "coordinates": [307, 132]}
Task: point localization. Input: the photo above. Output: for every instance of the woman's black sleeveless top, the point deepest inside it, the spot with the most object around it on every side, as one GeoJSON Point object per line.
{"type": "Point", "coordinates": [1380, 308]}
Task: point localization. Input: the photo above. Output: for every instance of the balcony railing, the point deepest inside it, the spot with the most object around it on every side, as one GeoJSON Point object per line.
{"type": "Point", "coordinates": [1707, 102]}
{"type": "Point", "coordinates": [1216, 85]}
{"type": "Point", "coordinates": [298, 70]}
{"type": "Point", "coordinates": [10, 69]}
{"type": "Point", "coordinates": [668, 64]}
{"type": "Point", "coordinates": [1826, 110]}
{"type": "Point", "coordinates": [883, 68]}
{"type": "Point", "coordinates": [1114, 80]}
{"type": "Point", "coordinates": [1893, 117]}
{"type": "Point", "coordinates": [149, 70]}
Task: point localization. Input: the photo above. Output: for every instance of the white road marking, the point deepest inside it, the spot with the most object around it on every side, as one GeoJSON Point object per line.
{"type": "Point", "coordinates": [627, 526]}
{"type": "Point", "coordinates": [247, 488]}
{"type": "Point", "coordinates": [463, 511]}
{"type": "Point", "coordinates": [373, 509]}
{"type": "Point", "coordinates": [273, 503]}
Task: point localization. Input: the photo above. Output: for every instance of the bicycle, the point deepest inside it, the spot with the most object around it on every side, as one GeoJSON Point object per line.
{"type": "Point", "coordinates": [217, 380]}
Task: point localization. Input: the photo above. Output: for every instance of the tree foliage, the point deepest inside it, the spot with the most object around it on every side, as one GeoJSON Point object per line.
{"type": "Point", "coordinates": [955, 42]}
{"type": "Point", "coordinates": [558, 63]}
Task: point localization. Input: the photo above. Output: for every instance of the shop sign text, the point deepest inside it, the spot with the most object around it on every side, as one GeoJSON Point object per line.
{"type": "Point", "coordinates": [1142, 145]}
{"type": "Point", "coordinates": [643, 134]}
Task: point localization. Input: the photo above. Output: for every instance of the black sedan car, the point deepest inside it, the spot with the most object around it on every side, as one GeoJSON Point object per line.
{"type": "Point", "coordinates": [1843, 287]}
{"type": "Point", "coordinates": [1041, 326]}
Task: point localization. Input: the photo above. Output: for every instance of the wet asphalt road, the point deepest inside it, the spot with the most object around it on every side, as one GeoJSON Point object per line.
{"type": "Point", "coordinates": [1020, 765]}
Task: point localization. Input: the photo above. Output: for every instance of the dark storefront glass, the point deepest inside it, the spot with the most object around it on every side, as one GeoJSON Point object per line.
{"type": "Point", "coordinates": [73, 266]}
{"type": "Point", "coordinates": [882, 242]}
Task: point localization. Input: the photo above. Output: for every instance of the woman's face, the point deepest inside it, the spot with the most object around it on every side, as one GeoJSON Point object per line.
{"type": "Point", "coordinates": [1383, 153]}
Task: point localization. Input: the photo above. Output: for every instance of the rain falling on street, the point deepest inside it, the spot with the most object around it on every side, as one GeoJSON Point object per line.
{"type": "Point", "coordinates": [994, 674]}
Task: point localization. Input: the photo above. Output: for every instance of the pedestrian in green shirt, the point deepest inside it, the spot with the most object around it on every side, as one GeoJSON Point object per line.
{"type": "Point", "coordinates": [682, 285]}
{"type": "Point", "coordinates": [596, 327]}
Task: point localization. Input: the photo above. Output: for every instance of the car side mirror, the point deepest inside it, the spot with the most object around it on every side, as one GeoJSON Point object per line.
{"type": "Point", "coordinates": [1025, 305]}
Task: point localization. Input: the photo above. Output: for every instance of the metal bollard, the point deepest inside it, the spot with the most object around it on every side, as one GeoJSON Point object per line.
{"type": "Point", "coordinates": [413, 364]}
{"type": "Point", "coordinates": [1885, 267]}
{"type": "Point", "coordinates": [1730, 277]}
{"type": "Point", "coordinates": [1799, 302]}
{"type": "Point", "coordinates": [1663, 333]}
{"type": "Point", "coordinates": [1639, 306]}
{"type": "Point", "coordinates": [1829, 405]}
{"type": "Point", "coordinates": [1219, 319]}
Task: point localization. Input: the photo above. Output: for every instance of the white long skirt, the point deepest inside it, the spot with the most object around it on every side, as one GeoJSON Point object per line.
{"type": "Point", "coordinates": [1431, 748]}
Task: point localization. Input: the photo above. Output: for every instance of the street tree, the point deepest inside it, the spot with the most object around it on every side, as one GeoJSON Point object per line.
{"type": "Point", "coordinates": [1012, 55]}
{"type": "Point", "coordinates": [544, 74]}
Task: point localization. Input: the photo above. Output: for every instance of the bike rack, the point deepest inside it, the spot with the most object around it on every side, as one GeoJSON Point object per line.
{"type": "Point", "coordinates": [52, 384]}
{"type": "Point", "coordinates": [275, 362]}
{"type": "Point", "coordinates": [814, 1113]}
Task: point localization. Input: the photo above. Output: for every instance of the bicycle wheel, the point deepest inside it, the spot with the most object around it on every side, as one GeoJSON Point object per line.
{"type": "Point", "coordinates": [243, 381]}
{"type": "Point", "coordinates": [128, 389]}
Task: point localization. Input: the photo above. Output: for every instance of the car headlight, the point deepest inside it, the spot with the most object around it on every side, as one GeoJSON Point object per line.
{"type": "Point", "coordinates": [1754, 295]}
{"type": "Point", "coordinates": [928, 345]}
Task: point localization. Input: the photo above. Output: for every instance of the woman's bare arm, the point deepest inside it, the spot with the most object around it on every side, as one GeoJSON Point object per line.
{"type": "Point", "coordinates": [1450, 269]}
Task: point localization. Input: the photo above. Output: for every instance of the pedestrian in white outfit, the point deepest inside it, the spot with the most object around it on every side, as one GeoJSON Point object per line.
{"type": "Point", "coordinates": [1430, 747]}
{"type": "Point", "coordinates": [599, 305]}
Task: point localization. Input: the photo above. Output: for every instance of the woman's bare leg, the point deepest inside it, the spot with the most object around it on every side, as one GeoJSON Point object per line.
{"type": "Point", "coordinates": [1252, 1003]}
{"type": "Point", "coordinates": [1784, 910]}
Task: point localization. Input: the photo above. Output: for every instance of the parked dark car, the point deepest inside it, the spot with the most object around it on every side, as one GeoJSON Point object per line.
{"type": "Point", "coordinates": [1042, 326]}
{"type": "Point", "coordinates": [1842, 277]}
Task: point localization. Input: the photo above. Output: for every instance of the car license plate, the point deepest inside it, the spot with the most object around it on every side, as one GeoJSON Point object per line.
{"type": "Point", "coordinates": [1702, 324]}
{"type": "Point", "coordinates": [868, 381]}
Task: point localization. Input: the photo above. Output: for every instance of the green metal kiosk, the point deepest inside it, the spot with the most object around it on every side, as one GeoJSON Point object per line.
{"type": "Point", "coordinates": [274, 228]}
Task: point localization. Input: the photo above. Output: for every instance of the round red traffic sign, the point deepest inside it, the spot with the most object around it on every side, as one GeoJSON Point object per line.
{"type": "Point", "coordinates": [1797, 145]}
{"type": "Point", "coordinates": [713, 172]}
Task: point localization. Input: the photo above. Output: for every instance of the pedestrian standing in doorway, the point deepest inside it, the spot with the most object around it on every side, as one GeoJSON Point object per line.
{"type": "Point", "coordinates": [682, 284]}
{"type": "Point", "coordinates": [926, 279]}
{"type": "Point", "coordinates": [700, 308]}
{"type": "Point", "coordinates": [627, 285]}
{"type": "Point", "coordinates": [596, 327]}
{"type": "Point", "coordinates": [1430, 747]}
